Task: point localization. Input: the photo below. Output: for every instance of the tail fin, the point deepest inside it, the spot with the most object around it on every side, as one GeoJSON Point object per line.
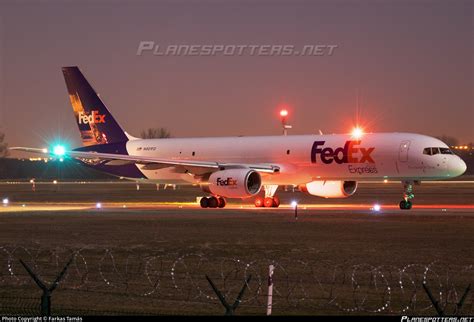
{"type": "Point", "coordinates": [96, 124]}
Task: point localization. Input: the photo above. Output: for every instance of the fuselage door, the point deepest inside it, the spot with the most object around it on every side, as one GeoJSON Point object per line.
{"type": "Point", "coordinates": [403, 152]}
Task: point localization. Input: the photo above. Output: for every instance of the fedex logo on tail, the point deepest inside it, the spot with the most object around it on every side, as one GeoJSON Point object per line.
{"type": "Point", "coordinates": [94, 118]}
{"type": "Point", "coordinates": [352, 152]}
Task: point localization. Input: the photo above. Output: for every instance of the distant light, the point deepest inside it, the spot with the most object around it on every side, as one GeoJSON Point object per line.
{"type": "Point", "coordinates": [32, 181]}
{"type": "Point", "coordinates": [23, 205]}
{"type": "Point", "coordinates": [294, 204]}
{"type": "Point", "coordinates": [124, 206]}
{"type": "Point", "coordinates": [98, 205]}
{"type": "Point", "coordinates": [55, 181]}
{"type": "Point", "coordinates": [283, 113]}
{"type": "Point", "coordinates": [377, 207]}
{"type": "Point", "coordinates": [61, 159]}
{"type": "Point", "coordinates": [5, 201]}
{"type": "Point", "coordinates": [385, 180]}
{"type": "Point", "coordinates": [59, 150]}
{"type": "Point", "coordinates": [44, 150]}
{"type": "Point", "coordinates": [357, 132]}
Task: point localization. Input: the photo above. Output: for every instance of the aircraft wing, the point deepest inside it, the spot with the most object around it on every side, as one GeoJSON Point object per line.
{"type": "Point", "coordinates": [120, 159]}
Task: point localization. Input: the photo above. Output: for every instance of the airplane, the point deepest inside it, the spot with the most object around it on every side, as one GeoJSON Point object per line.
{"type": "Point", "coordinates": [327, 166]}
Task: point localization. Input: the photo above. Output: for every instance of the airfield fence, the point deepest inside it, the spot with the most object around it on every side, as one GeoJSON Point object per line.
{"type": "Point", "coordinates": [144, 282]}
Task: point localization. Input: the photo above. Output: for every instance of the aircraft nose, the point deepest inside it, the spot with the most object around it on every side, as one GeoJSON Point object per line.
{"type": "Point", "coordinates": [457, 167]}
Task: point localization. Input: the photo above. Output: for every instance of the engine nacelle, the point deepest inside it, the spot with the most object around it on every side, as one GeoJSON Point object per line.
{"type": "Point", "coordinates": [234, 183]}
{"type": "Point", "coordinates": [330, 189]}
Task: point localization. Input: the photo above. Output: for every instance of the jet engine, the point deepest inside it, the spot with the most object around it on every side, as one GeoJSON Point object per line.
{"type": "Point", "coordinates": [330, 189]}
{"type": "Point", "coordinates": [234, 183]}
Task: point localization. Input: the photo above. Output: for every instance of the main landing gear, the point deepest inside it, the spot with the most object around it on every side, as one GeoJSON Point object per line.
{"type": "Point", "coordinates": [212, 202]}
{"type": "Point", "coordinates": [407, 195]}
{"type": "Point", "coordinates": [267, 202]}
{"type": "Point", "coordinates": [270, 199]}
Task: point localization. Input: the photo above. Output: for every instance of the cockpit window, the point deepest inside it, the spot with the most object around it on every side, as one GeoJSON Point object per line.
{"type": "Point", "coordinates": [433, 151]}
{"type": "Point", "coordinates": [445, 151]}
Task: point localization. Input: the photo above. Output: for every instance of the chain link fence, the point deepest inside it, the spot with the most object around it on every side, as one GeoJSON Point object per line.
{"type": "Point", "coordinates": [141, 281]}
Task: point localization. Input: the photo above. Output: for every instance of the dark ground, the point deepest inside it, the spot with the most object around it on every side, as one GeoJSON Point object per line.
{"type": "Point", "coordinates": [119, 244]}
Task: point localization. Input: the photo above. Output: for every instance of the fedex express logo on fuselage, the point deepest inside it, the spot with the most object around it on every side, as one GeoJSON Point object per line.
{"type": "Point", "coordinates": [352, 152]}
{"type": "Point", "coordinates": [94, 118]}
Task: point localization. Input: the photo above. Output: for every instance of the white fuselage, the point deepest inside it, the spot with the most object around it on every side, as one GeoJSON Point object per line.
{"type": "Point", "coordinates": [378, 156]}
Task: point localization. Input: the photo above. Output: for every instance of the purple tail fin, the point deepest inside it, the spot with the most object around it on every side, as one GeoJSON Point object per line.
{"type": "Point", "coordinates": [96, 124]}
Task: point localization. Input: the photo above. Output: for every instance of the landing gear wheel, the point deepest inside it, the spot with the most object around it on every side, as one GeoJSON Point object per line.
{"type": "Point", "coordinates": [213, 202]}
{"type": "Point", "coordinates": [259, 202]}
{"type": "Point", "coordinates": [221, 202]}
{"type": "Point", "coordinates": [276, 202]}
{"type": "Point", "coordinates": [405, 204]}
{"type": "Point", "coordinates": [204, 202]}
{"type": "Point", "coordinates": [268, 202]}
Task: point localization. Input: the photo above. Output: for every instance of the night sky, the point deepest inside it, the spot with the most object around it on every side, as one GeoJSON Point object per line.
{"type": "Point", "coordinates": [410, 64]}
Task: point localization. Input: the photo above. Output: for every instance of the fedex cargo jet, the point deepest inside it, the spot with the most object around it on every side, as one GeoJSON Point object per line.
{"type": "Point", "coordinates": [327, 166]}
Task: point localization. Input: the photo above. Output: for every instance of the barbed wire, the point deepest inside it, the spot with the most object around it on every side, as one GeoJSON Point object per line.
{"type": "Point", "coordinates": [307, 286]}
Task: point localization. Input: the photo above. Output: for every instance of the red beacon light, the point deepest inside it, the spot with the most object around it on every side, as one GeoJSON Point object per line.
{"type": "Point", "coordinates": [357, 132]}
{"type": "Point", "coordinates": [284, 124]}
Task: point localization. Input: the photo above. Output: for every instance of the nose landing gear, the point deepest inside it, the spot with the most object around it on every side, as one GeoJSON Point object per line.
{"type": "Point", "coordinates": [408, 194]}
{"type": "Point", "coordinates": [212, 202]}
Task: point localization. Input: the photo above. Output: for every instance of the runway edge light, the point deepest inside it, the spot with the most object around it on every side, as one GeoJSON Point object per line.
{"type": "Point", "coordinates": [376, 207]}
